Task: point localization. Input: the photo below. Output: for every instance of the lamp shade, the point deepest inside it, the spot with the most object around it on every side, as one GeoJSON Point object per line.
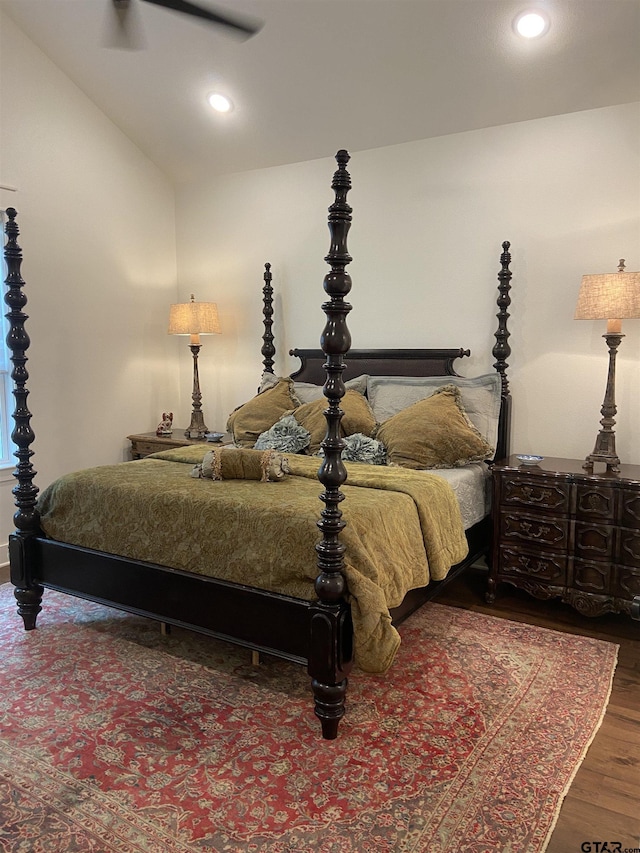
{"type": "Point", "coordinates": [194, 318]}
{"type": "Point", "coordinates": [609, 296]}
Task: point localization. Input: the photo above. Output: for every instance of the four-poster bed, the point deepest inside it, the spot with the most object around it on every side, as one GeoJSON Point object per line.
{"type": "Point", "coordinates": [317, 629]}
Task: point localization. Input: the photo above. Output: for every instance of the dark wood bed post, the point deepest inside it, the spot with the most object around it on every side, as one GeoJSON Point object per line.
{"type": "Point", "coordinates": [501, 351]}
{"type": "Point", "coordinates": [27, 520]}
{"type": "Point", "coordinates": [331, 645]}
{"type": "Point", "coordinates": [268, 349]}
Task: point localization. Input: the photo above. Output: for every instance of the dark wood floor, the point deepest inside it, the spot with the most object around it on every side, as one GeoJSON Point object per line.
{"type": "Point", "coordinates": [603, 803]}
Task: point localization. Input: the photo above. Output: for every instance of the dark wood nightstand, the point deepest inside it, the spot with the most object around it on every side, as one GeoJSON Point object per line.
{"type": "Point", "coordinates": [142, 444]}
{"type": "Point", "coordinates": [561, 531]}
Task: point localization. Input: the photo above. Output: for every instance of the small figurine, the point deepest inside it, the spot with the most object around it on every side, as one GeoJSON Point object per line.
{"type": "Point", "coordinates": [166, 427]}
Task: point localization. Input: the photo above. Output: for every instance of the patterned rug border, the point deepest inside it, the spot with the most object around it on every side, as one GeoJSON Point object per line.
{"type": "Point", "coordinates": [584, 751]}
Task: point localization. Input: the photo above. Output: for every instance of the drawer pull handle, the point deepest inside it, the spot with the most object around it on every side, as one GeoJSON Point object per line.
{"type": "Point", "coordinates": [536, 494]}
{"type": "Point", "coordinates": [541, 533]}
{"type": "Point", "coordinates": [535, 567]}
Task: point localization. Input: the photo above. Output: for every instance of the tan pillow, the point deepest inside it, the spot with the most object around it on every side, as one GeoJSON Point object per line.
{"type": "Point", "coordinates": [433, 433]}
{"type": "Point", "coordinates": [357, 417]}
{"type": "Point", "coordinates": [260, 413]}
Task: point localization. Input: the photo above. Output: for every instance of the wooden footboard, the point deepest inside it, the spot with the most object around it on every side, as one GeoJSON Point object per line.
{"type": "Point", "coordinates": [257, 619]}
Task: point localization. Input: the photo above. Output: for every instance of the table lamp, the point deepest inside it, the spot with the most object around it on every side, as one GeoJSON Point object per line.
{"type": "Point", "coordinates": [612, 297]}
{"type": "Point", "coordinates": [195, 319]}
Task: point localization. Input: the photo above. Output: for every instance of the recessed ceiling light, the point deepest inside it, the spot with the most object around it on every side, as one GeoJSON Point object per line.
{"type": "Point", "coordinates": [531, 24]}
{"type": "Point", "coordinates": [220, 103]}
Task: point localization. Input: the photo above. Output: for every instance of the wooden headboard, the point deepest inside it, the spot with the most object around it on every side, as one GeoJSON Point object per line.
{"type": "Point", "coordinates": [380, 362]}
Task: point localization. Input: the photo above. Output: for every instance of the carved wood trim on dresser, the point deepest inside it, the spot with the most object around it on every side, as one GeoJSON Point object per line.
{"type": "Point", "coordinates": [562, 532]}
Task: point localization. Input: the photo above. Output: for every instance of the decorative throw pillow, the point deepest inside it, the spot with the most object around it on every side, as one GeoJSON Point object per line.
{"type": "Point", "coordinates": [235, 463]}
{"type": "Point", "coordinates": [357, 417]}
{"type": "Point", "coordinates": [363, 448]}
{"type": "Point", "coordinates": [433, 433]}
{"type": "Point", "coordinates": [286, 436]}
{"type": "Point", "coordinates": [260, 413]}
{"type": "Point", "coordinates": [481, 397]}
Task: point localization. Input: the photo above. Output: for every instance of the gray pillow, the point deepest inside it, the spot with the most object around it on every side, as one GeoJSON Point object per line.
{"type": "Point", "coordinates": [285, 436]}
{"type": "Point", "coordinates": [307, 392]}
{"type": "Point", "coordinates": [361, 448]}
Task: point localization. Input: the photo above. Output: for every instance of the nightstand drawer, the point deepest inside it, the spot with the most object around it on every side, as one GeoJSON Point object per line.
{"type": "Point", "coordinates": [590, 577]}
{"type": "Point", "coordinates": [595, 502]}
{"type": "Point", "coordinates": [630, 547]}
{"type": "Point", "coordinates": [144, 443]}
{"type": "Point", "coordinates": [630, 511]}
{"type": "Point", "coordinates": [523, 492]}
{"type": "Point", "coordinates": [627, 582]}
{"type": "Point", "coordinates": [594, 541]}
{"type": "Point", "coordinates": [550, 533]}
{"type": "Point", "coordinates": [144, 448]}
{"type": "Point", "coordinates": [520, 563]}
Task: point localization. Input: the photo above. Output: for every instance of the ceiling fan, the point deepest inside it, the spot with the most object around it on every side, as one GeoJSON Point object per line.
{"type": "Point", "coordinates": [124, 37]}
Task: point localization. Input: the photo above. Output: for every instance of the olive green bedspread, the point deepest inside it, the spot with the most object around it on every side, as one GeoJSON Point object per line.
{"type": "Point", "coordinates": [403, 529]}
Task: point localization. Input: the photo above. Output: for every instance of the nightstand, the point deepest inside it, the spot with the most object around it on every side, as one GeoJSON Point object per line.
{"type": "Point", "coordinates": [562, 532]}
{"type": "Point", "coordinates": [145, 443]}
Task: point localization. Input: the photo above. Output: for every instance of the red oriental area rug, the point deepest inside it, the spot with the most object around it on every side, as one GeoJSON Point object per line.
{"type": "Point", "coordinates": [116, 738]}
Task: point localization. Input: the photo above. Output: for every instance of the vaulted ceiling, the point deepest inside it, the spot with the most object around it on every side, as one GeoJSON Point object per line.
{"type": "Point", "coordinates": [324, 74]}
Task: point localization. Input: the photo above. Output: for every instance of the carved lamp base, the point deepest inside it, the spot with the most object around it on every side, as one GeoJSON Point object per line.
{"type": "Point", "coordinates": [604, 451]}
{"type": "Point", "coordinates": [197, 428]}
{"type": "Point", "coordinates": [605, 447]}
{"type": "Point", "coordinates": [610, 460]}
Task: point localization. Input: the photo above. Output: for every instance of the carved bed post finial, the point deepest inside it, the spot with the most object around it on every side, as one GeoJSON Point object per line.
{"type": "Point", "coordinates": [26, 518]}
{"type": "Point", "coordinates": [330, 656]}
{"type": "Point", "coordinates": [502, 350]}
{"type": "Point", "coordinates": [268, 349]}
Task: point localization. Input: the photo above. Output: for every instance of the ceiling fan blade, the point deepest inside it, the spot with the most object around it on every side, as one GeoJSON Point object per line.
{"type": "Point", "coordinates": [187, 8]}
{"type": "Point", "coordinates": [123, 29]}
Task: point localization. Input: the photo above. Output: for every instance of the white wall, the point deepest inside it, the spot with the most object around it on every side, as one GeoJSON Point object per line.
{"type": "Point", "coordinates": [429, 218]}
{"type": "Point", "coordinates": [97, 222]}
